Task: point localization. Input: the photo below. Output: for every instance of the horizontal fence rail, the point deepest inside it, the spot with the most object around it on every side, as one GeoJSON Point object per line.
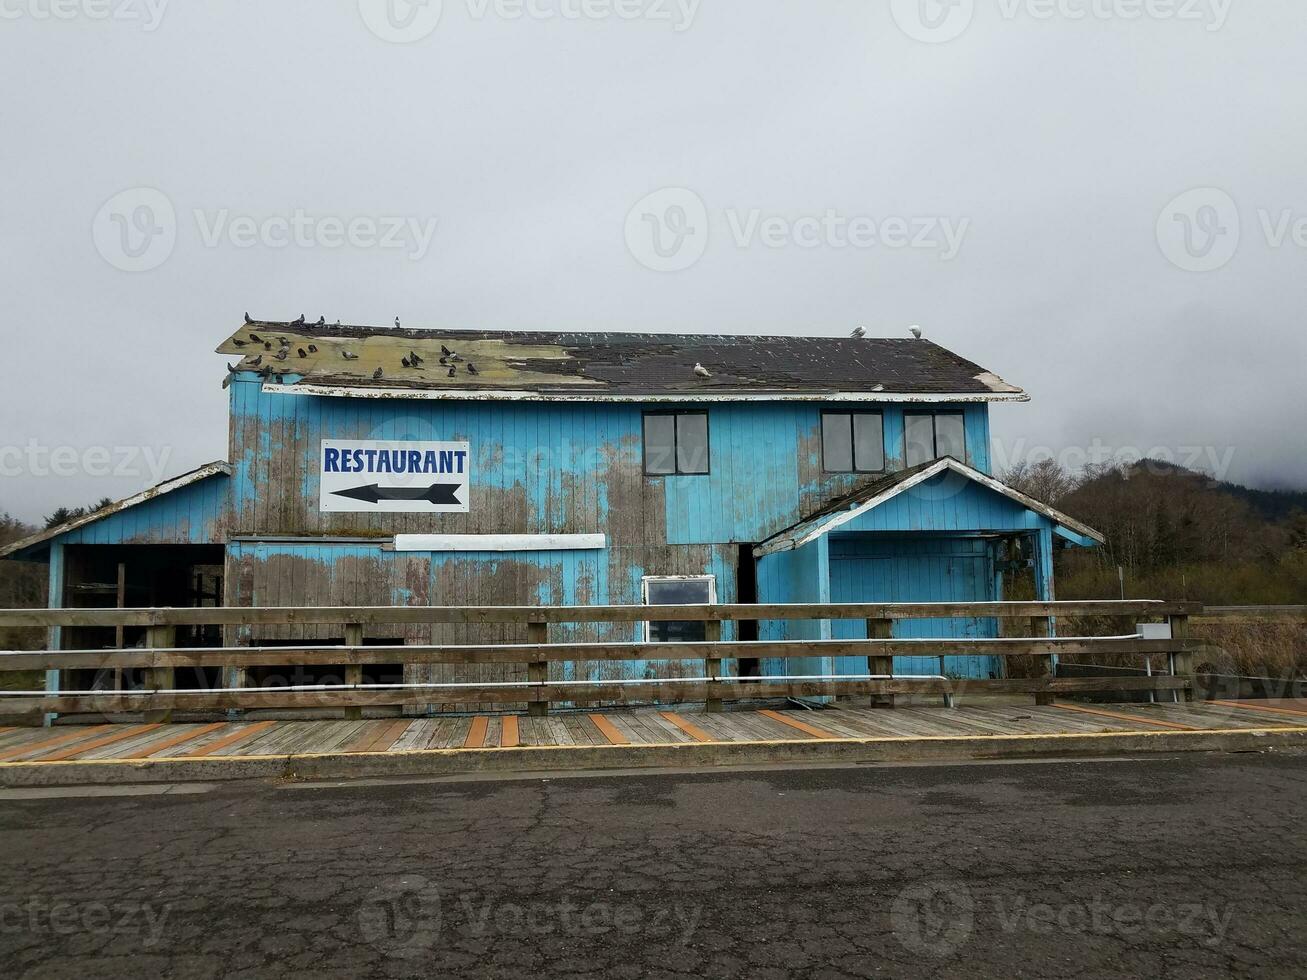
{"type": "Point", "coordinates": [484, 615]}
{"type": "Point", "coordinates": [569, 652]}
{"type": "Point", "coordinates": [157, 694]}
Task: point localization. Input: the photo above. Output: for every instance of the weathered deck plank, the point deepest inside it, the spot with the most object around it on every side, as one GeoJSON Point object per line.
{"type": "Point", "coordinates": [643, 726]}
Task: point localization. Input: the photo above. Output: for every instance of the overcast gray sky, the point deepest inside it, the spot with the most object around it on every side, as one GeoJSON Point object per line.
{"type": "Point", "coordinates": [1101, 200]}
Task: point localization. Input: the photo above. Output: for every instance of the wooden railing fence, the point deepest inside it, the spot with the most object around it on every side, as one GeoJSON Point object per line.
{"type": "Point", "coordinates": [714, 684]}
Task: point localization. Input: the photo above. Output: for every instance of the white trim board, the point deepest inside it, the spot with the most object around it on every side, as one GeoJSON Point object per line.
{"type": "Point", "coordinates": [500, 542]}
{"type": "Point", "coordinates": [583, 394]}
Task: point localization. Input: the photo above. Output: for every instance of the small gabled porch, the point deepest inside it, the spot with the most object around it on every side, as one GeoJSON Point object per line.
{"type": "Point", "coordinates": [939, 532]}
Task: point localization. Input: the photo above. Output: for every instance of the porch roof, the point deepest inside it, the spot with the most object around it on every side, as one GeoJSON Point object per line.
{"type": "Point", "coordinates": [851, 506]}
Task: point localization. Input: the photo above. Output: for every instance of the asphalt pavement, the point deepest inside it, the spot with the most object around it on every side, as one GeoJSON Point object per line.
{"type": "Point", "coordinates": [1159, 867]}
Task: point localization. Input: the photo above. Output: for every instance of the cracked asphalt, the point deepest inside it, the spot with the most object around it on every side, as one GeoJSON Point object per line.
{"type": "Point", "coordinates": [1171, 868]}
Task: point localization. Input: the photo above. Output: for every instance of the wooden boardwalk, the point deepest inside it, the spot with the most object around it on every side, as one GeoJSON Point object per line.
{"type": "Point", "coordinates": [638, 727]}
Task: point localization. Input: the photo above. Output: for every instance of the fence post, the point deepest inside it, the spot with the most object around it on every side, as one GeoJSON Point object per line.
{"type": "Point", "coordinates": [353, 669]}
{"type": "Point", "coordinates": [880, 629]}
{"type": "Point", "coordinates": [712, 666]}
{"type": "Point", "coordinates": [538, 670]}
{"type": "Point", "coordinates": [1039, 629]}
{"type": "Point", "coordinates": [158, 637]}
{"type": "Point", "coordinates": [1183, 661]}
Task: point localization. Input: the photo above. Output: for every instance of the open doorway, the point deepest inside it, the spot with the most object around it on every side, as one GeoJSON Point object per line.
{"type": "Point", "coordinates": [746, 587]}
{"type": "Point", "coordinates": [132, 576]}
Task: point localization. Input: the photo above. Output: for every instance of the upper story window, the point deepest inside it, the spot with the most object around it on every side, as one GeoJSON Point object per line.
{"type": "Point", "coordinates": [930, 435]}
{"type": "Point", "coordinates": [675, 442]}
{"type": "Point", "coordinates": [852, 442]}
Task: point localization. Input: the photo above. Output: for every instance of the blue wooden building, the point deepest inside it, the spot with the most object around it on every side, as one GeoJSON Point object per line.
{"type": "Point", "coordinates": [405, 467]}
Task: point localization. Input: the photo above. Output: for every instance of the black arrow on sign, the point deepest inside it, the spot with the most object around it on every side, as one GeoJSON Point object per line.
{"type": "Point", "coordinates": [437, 493]}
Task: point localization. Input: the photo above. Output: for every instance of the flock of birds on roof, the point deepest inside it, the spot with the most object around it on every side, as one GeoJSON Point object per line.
{"type": "Point", "coordinates": [860, 332]}
{"type": "Point", "coordinates": [448, 359]}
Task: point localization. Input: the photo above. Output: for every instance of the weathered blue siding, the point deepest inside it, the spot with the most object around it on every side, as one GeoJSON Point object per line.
{"type": "Point", "coordinates": [922, 545]}
{"type": "Point", "coordinates": [798, 576]}
{"type": "Point", "coordinates": [948, 502]}
{"type": "Point", "coordinates": [194, 514]}
{"type": "Point", "coordinates": [869, 568]}
{"type": "Point", "coordinates": [541, 467]}
{"type": "Point", "coordinates": [572, 468]}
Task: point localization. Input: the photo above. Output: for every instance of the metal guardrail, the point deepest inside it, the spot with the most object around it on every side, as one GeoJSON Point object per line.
{"type": "Point", "coordinates": [161, 657]}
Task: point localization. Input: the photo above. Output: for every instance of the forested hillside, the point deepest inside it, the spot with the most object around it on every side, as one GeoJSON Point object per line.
{"type": "Point", "coordinates": [1177, 534]}
{"type": "Point", "coordinates": [22, 584]}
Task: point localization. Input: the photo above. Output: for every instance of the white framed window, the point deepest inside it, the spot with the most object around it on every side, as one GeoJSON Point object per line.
{"type": "Point", "coordinates": [852, 442]}
{"type": "Point", "coordinates": [676, 443]}
{"type": "Point", "coordinates": [677, 590]}
{"type": "Point", "coordinates": [929, 435]}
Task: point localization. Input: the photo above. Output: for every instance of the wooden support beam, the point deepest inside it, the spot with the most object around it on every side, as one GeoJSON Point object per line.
{"type": "Point", "coordinates": [881, 629]}
{"type": "Point", "coordinates": [537, 671]}
{"type": "Point", "coordinates": [1039, 627]}
{"type": "Point", "coordinates": [120, 602]}
{"type": "Point", "coordinates": [354, 666]}
{"type": "Point", "coordinates": [712, 666]}
{"type": "Point", "coordinates": [160, 677]}
{"type": "Point", "coordinates": [1183, 659]}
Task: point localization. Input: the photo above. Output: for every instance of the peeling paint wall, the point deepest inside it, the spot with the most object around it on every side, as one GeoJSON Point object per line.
{"type": "Point", "coordinates": [542, 468]}
{"type": "Point", "coordinates": [195, 514]}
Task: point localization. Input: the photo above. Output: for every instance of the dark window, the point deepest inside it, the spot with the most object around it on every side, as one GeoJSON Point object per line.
{"type": "Point", "coordinates": [675, 442]}
{"type": "Point", "coordinates": [930, 435]}
{"type": "Point", "coordinates": [678, 592]}
{"type": "Point", "coordinates": [852, 442]}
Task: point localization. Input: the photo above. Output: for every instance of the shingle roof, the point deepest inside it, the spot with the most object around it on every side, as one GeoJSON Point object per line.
{"type": "Point", "coordinates": [614, 364]}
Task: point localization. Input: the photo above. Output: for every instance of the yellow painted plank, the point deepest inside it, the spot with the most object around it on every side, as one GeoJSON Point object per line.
{"type": "Point", "coordinates": [812, 730]}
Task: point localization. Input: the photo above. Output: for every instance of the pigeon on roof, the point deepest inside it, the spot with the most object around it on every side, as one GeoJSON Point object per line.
{"type": "Point", "coordinates": [620, 364]}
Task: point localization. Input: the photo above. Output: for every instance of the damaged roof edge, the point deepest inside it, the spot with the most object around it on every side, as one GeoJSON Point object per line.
{"type": "Point", "coordinates": [217, 468]}
{"type": "Point", "coordinates": [506, 364]}
{"type": "Point", "coordinates": [500, 394]}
